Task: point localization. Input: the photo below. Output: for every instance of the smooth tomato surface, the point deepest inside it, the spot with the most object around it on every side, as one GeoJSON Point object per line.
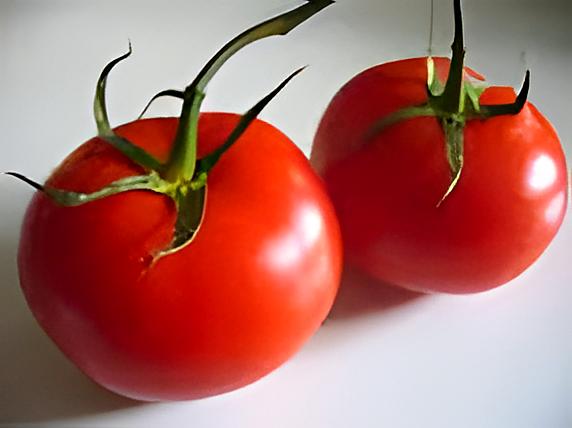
{"type": "Point", "coordinates": [506, 208]}
{"type": "Point", "coordinates": [255, 283]}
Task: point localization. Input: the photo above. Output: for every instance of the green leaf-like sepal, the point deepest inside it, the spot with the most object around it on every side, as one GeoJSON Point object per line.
{"type": "Point", "coordinates": [26, 180]}
{"type": "Point", "coordinates": [434, 85]}
{"type": "Point", "coordinates": [105, 132]}
{"type": "Point", "coordinates": [207, 162]}
{"type": "Point", "coordinates": [151, 182]}
{"type": "Point", "coordinates": [474, 93]}
{"type": "Point", "coordinates": [454, 147]}
{"type": "Point", "coordinates": [488, 111]}
{"type": "Point", "coordinates": [425, 110]}
{"type": "Point", "coordinates": [166, 93]}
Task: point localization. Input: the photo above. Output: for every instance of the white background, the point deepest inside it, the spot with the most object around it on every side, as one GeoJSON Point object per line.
{"type": "Point", "coordinates": [501, 359]}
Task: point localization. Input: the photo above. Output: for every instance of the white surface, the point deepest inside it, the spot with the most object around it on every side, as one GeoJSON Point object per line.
{"type": "Point", "coordinates": [502, 359]}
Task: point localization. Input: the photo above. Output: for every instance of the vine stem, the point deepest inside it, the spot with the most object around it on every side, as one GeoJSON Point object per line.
{"type": "Point", "coordinates": [182, 162]}
{"type": "Point", "coordinates": [431, 25]}
{"type": "Point", "coordinates": [453, 94]}
{"type": "Point", "coordinates": [183, 158]}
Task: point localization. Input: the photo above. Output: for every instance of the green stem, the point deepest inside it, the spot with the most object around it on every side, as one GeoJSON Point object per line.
{"type": "Point", "coordinates": [183, 158]}
{"type": "Point", "coordinates": [182, 162]}
{"type": "Point", "coordinates": [453, 95]}
{"type": "Point", "coordinates": [280, 25]}
{"type": "Point", "coordinates": [151, 182]}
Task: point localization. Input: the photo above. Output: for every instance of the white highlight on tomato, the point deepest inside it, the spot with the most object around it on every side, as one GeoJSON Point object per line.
{"type": "Point", "coordinates": [543, 173]}
{"type": "Point", "coordinates": [287, 250]}
{"type": "Point", "coordinates": [554, 209]}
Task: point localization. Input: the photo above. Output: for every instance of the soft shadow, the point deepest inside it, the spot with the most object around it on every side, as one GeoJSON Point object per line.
{"type": "Point", "coordinates": [360, 294]}
{"type": "Point", "coordinates": [37, 383]}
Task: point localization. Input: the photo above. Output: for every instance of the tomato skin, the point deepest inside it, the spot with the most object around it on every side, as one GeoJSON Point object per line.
{"type": "Point", "coordinates": [504, 211]}
{"type": "Point", "coordinates": [255, 283]}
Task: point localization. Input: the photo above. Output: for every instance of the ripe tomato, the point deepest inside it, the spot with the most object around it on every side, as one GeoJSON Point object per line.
{"type": "Point", "coordinates": [177, 258]}
{"type": "Point", "coordinates": [255, 283]}
{"type": "Point", "coordinates": [505, 209]}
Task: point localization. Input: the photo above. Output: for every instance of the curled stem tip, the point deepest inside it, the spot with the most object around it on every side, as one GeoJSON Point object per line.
{"type": "Point", "coordinates": [104, 130]}
{"type": "Point", "coordinates": [166, 93]}
{"type": "Point", "coordinates": [26, 180]}
{"type": "Point", "coordinates": [99, 105]}
{"type": "Point", "coordinates": [488, 111]}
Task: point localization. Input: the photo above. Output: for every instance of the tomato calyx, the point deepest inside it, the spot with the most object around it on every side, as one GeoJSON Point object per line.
{"type": "Point", "coordinates": [104, 130]}
{"type": "Point", "coordinates": [454, 103]}
{"type": "Point", "coordinates": [183, 177]}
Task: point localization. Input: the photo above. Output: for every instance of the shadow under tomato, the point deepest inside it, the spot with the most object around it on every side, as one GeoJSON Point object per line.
{"type": "Point", "coordinates": [37, 383]}
{"type": "Point", "coordinates": [360, 294]}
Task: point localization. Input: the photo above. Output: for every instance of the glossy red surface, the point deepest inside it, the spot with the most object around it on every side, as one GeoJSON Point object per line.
{"type": "Point", "coordinates": [506, 208]}
{"type": "Point", "coordinates": [255, 283]}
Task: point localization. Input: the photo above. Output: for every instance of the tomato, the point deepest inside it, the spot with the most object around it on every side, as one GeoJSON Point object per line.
{"type": "Point", "coordinates": [178, 258]}
{"type": "Point", "coordinates": [504, 210]}
{"type": "Point", "coordinates": [255, 283]}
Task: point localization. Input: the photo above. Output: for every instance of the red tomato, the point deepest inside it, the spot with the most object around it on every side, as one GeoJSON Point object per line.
{"type": "Point", "coordinates": [504, 211]}
{"type": "Point", "coordinates": [255, 283]}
